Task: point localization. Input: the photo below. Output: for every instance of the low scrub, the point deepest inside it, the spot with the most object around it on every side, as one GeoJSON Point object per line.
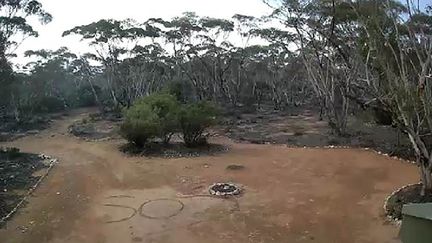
{"type": "Point", "coordinates": [154, 116]}
{"type": "Point", "coordinates": [160, 116]}
{"type": "Point", "coordinates": [194, 120]}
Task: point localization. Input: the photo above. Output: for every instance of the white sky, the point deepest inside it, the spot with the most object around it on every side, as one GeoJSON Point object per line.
{"type": "Point", "coordinates": [70, 13]}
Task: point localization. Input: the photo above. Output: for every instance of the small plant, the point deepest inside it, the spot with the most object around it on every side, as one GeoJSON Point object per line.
{"type": "Point", "coordinates": [10, 153]}
{"type": "Point", "coordinates": [194, 119]}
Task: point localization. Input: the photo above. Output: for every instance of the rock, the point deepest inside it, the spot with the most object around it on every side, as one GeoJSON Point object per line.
{"type": "Point", "coordinates": [32, 132]}
{"type": "Point", "coordinates": [23, 229]}
{"type": "Point", "coordinates": [235, 167]}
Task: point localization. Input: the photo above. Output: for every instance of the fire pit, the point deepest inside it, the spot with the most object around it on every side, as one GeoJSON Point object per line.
{"type": "Point", "coordinates": [224, 189]}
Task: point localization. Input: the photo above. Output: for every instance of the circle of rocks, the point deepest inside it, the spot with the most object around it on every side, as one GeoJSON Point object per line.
{"type": "Point", "coordinates": [352, 147]}
{"type": "Point", "coordinates": [224, 189]}
{"type": "Point", "coordinates": [389, 218]}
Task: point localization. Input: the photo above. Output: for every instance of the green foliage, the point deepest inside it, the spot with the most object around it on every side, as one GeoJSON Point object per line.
{"type": "Point", "coordinates": [166, 108]}
{"type": "Point", "coordinates": [13, 26]}
{"type": "Point", "coordinates": [150, 117]}
{"type": "Point", "coordinates": [48, 104]}
{"type": "Point", "coordinates": [107, 30]}
{"type": "Point", "coordinates": [219, 24]}
{"type": "Point", "coordinates": [194, 119]}
{"type": "Point", "coordinates": [84, 96]}
{"type": "Point", "coordinates": [140, 125]}
{"type": "Point", "coordinates": [10, 153]}
{"type": "Point", "coordinates": [182, 91]}
{"type": "Point", "coordinates": [160, 116]}
{"type": "Point", "coordinates": [6, 80]}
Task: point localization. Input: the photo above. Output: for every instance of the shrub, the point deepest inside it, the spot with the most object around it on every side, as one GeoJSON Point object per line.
{"type": "Point", "coordinates": [150, 117]}
{"type": "Point", "coordinates": [383, 117]}
{"type": "Point", "coordinates": [10, 153]}
{"type": "Point", "coordinates": [49, 104]}
{"type": "Point", "coordinates": [166, 108]}
{"type": "Point", "coordinates": [182, 91]}
{"type": "Point", "coordinates": [84, 96]}
{"type": "Point", "coordinates": [140, 125]}
{"type": "Point", "coordinates": [194, 119]}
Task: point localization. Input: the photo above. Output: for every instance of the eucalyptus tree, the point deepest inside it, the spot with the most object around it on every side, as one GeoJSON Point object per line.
{"type": "Point", "coordinates": [201, 52]}
{"type": "Point", "coordinates": [112, 41]}
{"type": "Point", "coordinates": [14, 28]}
{"type": "Point", "coordinates": [49, 81]}
{"type": "Point", "coordinates": [397, 52]}
{"type": "Point", "coordinates": [378, 53]}
{"type": "Point", "coordinates": [86, 73]}
{"type": "Point", "coordinates": [325, 41]}
{"type": "Point", "coordinates": [146, 72]}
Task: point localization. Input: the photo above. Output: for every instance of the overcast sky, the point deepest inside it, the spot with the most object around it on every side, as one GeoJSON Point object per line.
{"type": "Point", "coordinates": [70, 13]}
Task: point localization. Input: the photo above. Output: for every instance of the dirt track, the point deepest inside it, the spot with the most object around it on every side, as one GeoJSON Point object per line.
{"type": "Point", "coordinates": [96, 194]}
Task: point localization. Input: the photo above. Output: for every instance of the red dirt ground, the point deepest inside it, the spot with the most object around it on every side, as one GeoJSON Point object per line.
{"type": "Point", "coordinates": [291, 195]}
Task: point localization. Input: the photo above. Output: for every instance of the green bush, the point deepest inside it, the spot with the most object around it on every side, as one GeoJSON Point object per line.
{"type": "Point", "coordinates": [182, 91]}
{"type": "Point", "coordinates": [10, 153]}
{"type": "Point", "coordinates": [84, 96]}
{"type": "Point", "coordinates": [48, 104]}
{"type": "Point", "coordinates": [140, 124]}
{"type": "Point", "coordinates": [194, 119]}
{"type": "Point", "coordinates": [150, 117]}
{"type": "Point", "coordinates": [166, 108]}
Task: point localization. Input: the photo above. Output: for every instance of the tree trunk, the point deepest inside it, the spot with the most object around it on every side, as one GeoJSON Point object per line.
{"type": "Point", "coordinates": [426, 176]}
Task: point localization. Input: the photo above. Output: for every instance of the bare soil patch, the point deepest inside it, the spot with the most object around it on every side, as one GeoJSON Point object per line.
{"type": "Point", "coordinates": [291, 194]}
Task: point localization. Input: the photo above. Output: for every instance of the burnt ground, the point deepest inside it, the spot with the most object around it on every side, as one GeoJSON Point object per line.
{"type": "Point", "coordinates": [17, 176]}
{"type": "Point", "coordinates": [10, 129]}
{"type": "Point", "coordinates": [296, 127]}
{"type": "Point", "coordinates": [303, 128]}
{"type": "Point", "coordinates": [96, 126]}
{"type": "Point", "coordinates": [409, 194]}
{"type": "Point", "coordinates": [175, 149]}
{"type": "Point", "coordinates": [105, 126]}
